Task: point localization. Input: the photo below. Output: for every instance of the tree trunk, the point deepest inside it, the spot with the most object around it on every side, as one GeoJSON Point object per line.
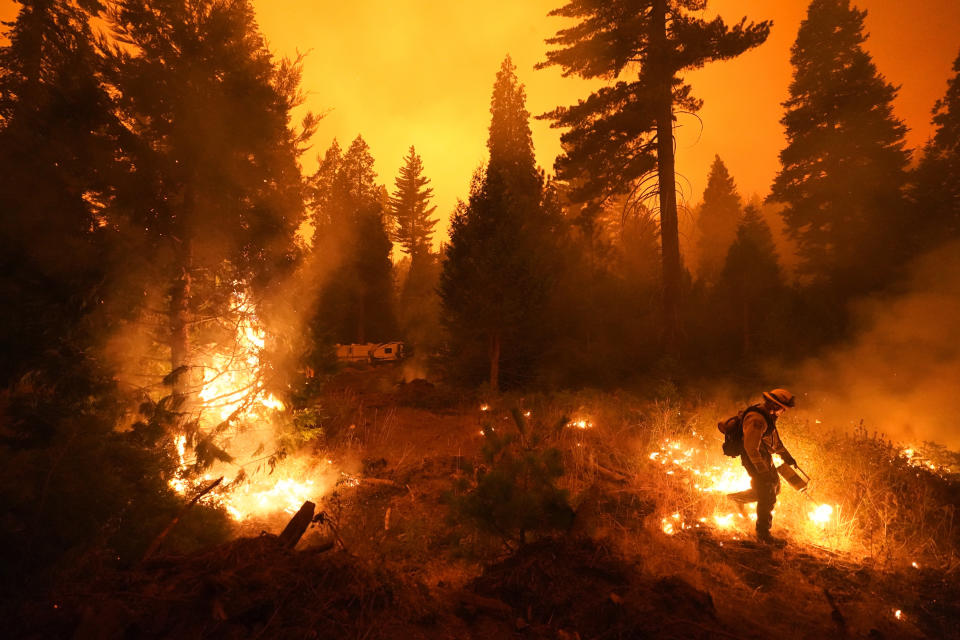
{"type": "Point", "coordinates": [495, 361]}
{"type": "Point", "coordinates": [746, 327]}
{"type": "Point", "coordinates": [361, 319]}
{"type": "Point", "coordinates": [669, 234]}
{"type": "Point", "coordinates": [179, 325]}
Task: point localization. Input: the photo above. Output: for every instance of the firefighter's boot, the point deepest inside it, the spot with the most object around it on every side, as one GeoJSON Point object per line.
{"type": "Point", "coordinates": [766, 538]}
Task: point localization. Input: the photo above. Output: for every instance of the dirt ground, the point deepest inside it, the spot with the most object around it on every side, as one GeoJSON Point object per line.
{"type": "Point", "coordinates": [402, 567]}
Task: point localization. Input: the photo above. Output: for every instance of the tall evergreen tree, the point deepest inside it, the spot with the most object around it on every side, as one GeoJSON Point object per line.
{"type": "Point", "coordinates": [58, 162]}
{"type": "Point", "coordinates": [322, 188]}
{"type": "Point", "coordinates": [215, 189]}
{"type": "Point", "coordinates": [64, 253]}
{"type": "Point", "coordinates": [936, 189]}
{"type": "Point", "coordinates": [622, 134]}
{"type": "Point", "coordinates": [843, 169]}
{"type": "Point", "coordinates": [717, 222]}
{"type": "Point", "coordinates": [750, 280]}
{"type": "Point", "coordinates": [410, 206]}
{"type": "Point", "coordinates": [350, 213]}
{"type": "Point", "coordinates": [493, 282]}
{"type": "Point", "coordinates": [356, 187]}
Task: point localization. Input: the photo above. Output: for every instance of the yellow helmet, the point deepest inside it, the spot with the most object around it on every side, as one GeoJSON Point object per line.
{"type": "Point", "coordinates": [780, 397]}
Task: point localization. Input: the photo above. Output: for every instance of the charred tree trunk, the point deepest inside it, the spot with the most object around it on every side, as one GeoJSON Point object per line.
{"type": "Point", "coordinates": [297, 526]}
{"type": "Point", "coordinates": [495, 361]}
{"type": "Point", "coordinates": [669, 233]}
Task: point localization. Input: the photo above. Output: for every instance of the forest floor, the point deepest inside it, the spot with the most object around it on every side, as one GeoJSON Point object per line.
{"type": "Point", "coordinates": [404, 568]}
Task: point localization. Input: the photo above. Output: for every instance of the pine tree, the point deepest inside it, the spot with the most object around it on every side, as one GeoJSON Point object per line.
{"type": "Point", "coordinates": [493, 282]}
{"type": "Point", "coordinates": [322, 188]}
{"type": "Point", "coordinates": [936, 189]}
{"type": "Point", "coordinates": [751, 279]}
{"type": "Point", "coordinates": [717, 222]}
{"type": "Point", "coordinates": [59, 153]}
{"type": "Point", "coordinates": [65, 256]}
{"type": "Point", "coordinates": [623, 134]}
{"type": "Point", "coordinates": [356, 304]}
{"type": "Point", "coordinates": [216, 185]}
{"type": "Point", "coordinates": [409, 205]}
{"type": "Point", "coordinates": [355, 187]}
{"type": "Point", "coordinates": [843, 167]}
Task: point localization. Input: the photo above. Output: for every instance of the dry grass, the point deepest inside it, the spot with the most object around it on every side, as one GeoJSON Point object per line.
{"type": "Point", "coordinates": [400, 531]}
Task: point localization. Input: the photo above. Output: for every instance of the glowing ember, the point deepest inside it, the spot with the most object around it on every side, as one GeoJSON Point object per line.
{"type": "Point", "coordinates": [917, 459]}
{"type": "Point", "coordinates": [724, 521]}
{"type": "Point", "coordinates": [821, 514]}
{"type": "Point", "coordinates": [898, 614]}
{"type": "Point", "coordinates": [285, 495]}
{"type": "Point", "coordinates": [484, 407]}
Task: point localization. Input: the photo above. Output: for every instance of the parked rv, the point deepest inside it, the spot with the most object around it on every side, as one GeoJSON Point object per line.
{"type": "Point", "coordinates": [370, 352]}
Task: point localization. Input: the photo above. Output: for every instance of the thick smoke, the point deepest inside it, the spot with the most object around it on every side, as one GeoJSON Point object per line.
{"type": "Point", "coordinates": [900, 375]}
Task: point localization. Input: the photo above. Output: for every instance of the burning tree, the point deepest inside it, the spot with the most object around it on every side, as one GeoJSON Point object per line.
{"type": "Point", "coordinates": [213, 200]}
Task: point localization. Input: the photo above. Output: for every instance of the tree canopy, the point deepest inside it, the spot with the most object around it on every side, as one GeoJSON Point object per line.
{"type": "Point", "coordinates": [493, 283]}
{"type": "Point", "coordinates": [717, 221]}
{"type": "Point", "coordinates": [410, 207]}
{"type": "Point", "coordinates": [843, 169]}
{"type": "Point", "coordinates": [619, 136]}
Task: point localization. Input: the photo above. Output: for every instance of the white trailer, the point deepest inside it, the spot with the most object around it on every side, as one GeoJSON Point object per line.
{"type": "Point", "coordinates": [370, 352]}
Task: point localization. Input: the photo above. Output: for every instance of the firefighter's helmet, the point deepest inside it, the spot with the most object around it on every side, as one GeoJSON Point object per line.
{"type": "Point", "coordinates": [780, 397]}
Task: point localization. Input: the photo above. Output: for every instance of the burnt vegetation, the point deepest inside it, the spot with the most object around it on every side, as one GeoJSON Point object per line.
{"type": "Point", "coordinates": [191, 323]}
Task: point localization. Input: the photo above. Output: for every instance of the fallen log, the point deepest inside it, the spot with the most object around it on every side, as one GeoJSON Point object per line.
{"type": "Point", "coordinates": [297, 526]}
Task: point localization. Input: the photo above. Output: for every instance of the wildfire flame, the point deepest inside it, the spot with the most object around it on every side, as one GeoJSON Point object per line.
{"type": "Point", "coordinates": [689, 460]}
{"type": "Point", "coordinates": [821, 514]}
{"type": "Point", "coordinates": [233, 393]}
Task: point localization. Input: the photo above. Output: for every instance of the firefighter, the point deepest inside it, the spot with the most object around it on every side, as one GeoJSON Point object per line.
{"type": "Point", "coordinates": [760, 441]}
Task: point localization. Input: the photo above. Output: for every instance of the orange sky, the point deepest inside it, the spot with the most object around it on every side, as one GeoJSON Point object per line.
{"type": "Point", "coordinates": [420, 72]}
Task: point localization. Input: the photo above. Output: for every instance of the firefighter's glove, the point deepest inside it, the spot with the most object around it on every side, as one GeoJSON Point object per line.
{"type": "Point", "coordinates": [789, 459]}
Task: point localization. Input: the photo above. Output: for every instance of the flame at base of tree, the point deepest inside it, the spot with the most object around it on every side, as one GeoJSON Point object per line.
{"type": "Point", "coordinates": [235, 432]}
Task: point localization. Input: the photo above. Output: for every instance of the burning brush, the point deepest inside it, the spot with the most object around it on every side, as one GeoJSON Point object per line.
{"type": "Point", "coordinates": [236, 413]}
{"type": "Point", "coordinates": [721, 488]}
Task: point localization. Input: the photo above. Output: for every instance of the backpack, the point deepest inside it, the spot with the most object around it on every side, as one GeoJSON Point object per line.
{"type": "Point", "coordinates": [732, 430]}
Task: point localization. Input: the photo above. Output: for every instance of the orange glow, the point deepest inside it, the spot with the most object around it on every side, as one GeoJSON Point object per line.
{"type": "Point", "coordinates": [404, 72]}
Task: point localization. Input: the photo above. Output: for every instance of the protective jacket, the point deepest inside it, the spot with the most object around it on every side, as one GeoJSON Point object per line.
{"type": "Point", "coordinates": [760, 440]}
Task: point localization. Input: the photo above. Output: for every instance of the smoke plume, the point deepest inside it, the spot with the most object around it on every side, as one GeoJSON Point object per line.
{"type": "Point", "coordinates": [900, 374]}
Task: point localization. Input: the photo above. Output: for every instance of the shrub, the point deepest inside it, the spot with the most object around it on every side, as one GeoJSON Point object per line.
{"type": "Point", "coordinates": [515, 495]}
